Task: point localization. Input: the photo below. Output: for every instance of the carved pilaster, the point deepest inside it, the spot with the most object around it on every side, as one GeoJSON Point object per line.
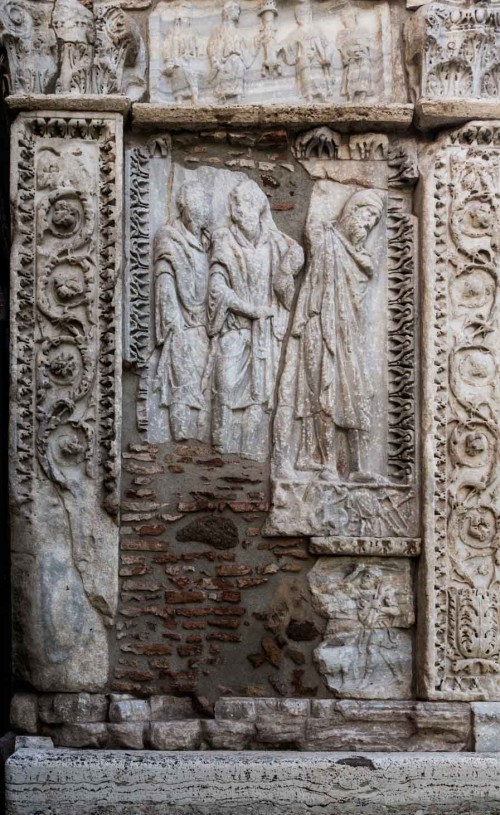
{"type": "Point", "coordinates": [66, 404]}
{"type": "Point", "coordinates": [461, 618]}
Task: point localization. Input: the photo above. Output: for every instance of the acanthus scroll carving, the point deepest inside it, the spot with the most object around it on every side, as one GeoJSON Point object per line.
{"type": "Point", "coordinates": [70, 377]}
{"type": "Point", "coordinates": [467, 511]}
{"type": "Point", "coordinates": [72, 47]}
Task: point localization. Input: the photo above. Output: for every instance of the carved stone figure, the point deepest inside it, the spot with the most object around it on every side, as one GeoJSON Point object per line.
{"type": "Point", "coordinates": [181, 281]}
{"type": "Point", "coordinates": [332, 390]}
{"type": "Point", "coordinates": [251, 288]}
{"type": "Point", "coordinates": [268, 13]}
{"type": "Point", "coordinates": [366, 648]}
{"type": "Point", "coordinates": [75, 30]}
{"type": "Point", "coordinates": [355, 51]}
{"type": "Point", "coordinates": [181, 52]}
{"type": "Point", "coordinates": [310, 53]}
{"type": "Point", "coordinates": [230, 56]}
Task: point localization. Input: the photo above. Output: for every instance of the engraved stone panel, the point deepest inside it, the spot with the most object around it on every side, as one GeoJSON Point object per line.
{"type": "Point", "coordinates": [461, 619]}
{"type": "Point", "coordinates": [66, 396]}
{"type": "Point", "coordinates": [366, 652]}
{"type": "Point", "coordinates": [209, 307]}
{"type": "Point", "coordinates": [344, 432]}
{"type": "Point", "coordinates": [254, 51]}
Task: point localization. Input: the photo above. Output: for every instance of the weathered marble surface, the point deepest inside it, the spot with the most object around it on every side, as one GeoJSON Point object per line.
{"type": "Point", "coordinates": [66, 395]}
{"type": "Point", "coordinates": [254, 52]}
{"type": "Point", "coordinates": [72, 783]}
{"type": "Point", "coordinates": [460, 622]}
{"type": "Point", "coordinates": [366, 651]}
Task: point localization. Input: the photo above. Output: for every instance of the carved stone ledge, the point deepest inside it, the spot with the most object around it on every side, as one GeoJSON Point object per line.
{"type": "Point", "coordinates": [111, 103]}
{"type": "Point", "coordinates": [382, 117]}
{"type": "Point", "coordinates": [72, 782]}
{"type": "Point", "coordinates": [431, 113]}
{"type": "Point", "coordinates": [379, 547]}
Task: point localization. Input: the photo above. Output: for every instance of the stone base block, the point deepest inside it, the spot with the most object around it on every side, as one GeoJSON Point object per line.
{"type": "Point", "coordinates": [75, 782]}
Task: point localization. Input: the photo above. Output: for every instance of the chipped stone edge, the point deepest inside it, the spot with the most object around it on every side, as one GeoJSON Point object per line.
{"type": "Point", "coordinates": [92, 102]}
{"type": "Point", "coordinates": [432, 113]}
{"type": "Point", "coordinates": [366, 547]}
{"type": "Point", "coordinates": [382, 117]}
{"type": "Point", "coordinates": [72, 781]}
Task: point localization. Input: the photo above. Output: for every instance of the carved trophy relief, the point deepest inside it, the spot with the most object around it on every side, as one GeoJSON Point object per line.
{"type": "Point", "coordinates": [65, 524]}
{"type": "Point", "coordinates": [466, 525]}
{"type": "Point", "coordinates": [257, 51]}
{"type": "Point", "coordinates": [223, 281]}
{"type": "Point", "coordinates": [366, 652]}
{"type": "Point", "coordinates": [343, 460]}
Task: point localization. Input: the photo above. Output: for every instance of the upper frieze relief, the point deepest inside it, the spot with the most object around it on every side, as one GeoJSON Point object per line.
{"type": "Point", "coordinates": [248, 51]}
{"type": "Point", "coordinates": [453, 50]}
{"type": "Point", "coordinates": [72, 47]}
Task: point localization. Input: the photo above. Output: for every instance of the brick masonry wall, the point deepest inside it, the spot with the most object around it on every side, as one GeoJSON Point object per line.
{"type": "Point", "coordinates": [207, 605]}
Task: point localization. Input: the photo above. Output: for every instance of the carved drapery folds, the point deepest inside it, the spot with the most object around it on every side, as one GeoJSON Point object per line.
{"type": "Point", "coordinates": [70, 47]}
{"type": "Point", "coordinates": [304, 52]}
{"type": "Point", "coordinates": [344, 431]}
{"type": "Point", "coordinates": [66, 360]}
{"type": "Point", "coordinates": [462, 393]}
{"type": "Point", "coordinates": [210, 285]}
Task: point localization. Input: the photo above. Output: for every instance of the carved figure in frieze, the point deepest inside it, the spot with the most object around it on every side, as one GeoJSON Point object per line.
{"type": "Point", "coordinates": [30, 44]}
{"type": "Point", "coordinates": [270, 64]}
{"type": "Point", "coordinates": [251, 288]}
{"type": "Point", "coordinates": [181, 52]}
{"type": "Point", "coordinates": [310, 52]}
{"type": "Point", "coordinates": [230, 56]}
{"type": "Point", "coordinates": [75, 30]}
{"type": "Point", "coordinates": [365, 650]}
{"type": "Point", "coordinates": [332, 388]}
{"type": "Point", "coordinates": [119, 53]}
{"type": "Point", "coordinates": [357, 63]}
{"type": "Point", "coordinates": [181, 280]}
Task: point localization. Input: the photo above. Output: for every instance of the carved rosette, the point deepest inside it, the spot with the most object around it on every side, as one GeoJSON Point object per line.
{"type": "Point", "coordinates": [66, 362]}
{"type": "Point", "coordinates": [463, 398]}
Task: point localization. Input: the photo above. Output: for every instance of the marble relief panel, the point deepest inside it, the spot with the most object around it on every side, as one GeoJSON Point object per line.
{"type": "Point", "coordinates": [366, 650]}
{"type": "Point", "coordinates": [462, 623]}
{"type": "Point", "coordinates": [244, 52]}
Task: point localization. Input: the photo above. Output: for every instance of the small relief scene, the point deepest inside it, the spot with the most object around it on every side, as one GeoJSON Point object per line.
{"type": "Point", "coordinates": [366, 650]}
{"type": "Point", "coordinates": [248, 51]}
{"type": "Point", "coordinates": [268, 397]}
{"type": "Point", "coordinates": [453, 51]}
{"type": "Point", "coordinates": [72, 47]}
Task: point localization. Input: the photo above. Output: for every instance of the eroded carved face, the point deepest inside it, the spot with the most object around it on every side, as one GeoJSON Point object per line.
{"type": "Point", "coordinates": [358, 222]}
{"type": "Point", "coordinates": [231, 12]}
{"type": "Point", "coordinates": [247, 204]}
{"type": "Point", "coordinates": [193, 206]}
{"type": "Point", "coordinates": [475, 444]}
{"type": "Point", "coordinates": [479, 216]}
{"type": "Point", "coordinates": [65, 215]}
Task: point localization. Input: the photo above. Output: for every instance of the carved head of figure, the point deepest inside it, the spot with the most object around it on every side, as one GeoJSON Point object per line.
{"type": "Point", "coordinates": [193, 207]}
{"type": "Point", "coordinates": [303, 13]}
{"type": "Point", "coordinates": [231, 12]}
{"type": "Point", "coordinates": [475, 444]}
{"type": "Point", "coordinates": [47, 171]}
{"type": "Point", "coordinates": [65, 216]}
{"type": "Point", "coordinates": [247, 206]}
{"type": "Point", "coordinates": [360, 214]}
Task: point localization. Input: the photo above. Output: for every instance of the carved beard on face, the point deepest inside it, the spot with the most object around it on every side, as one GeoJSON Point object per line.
{"type": "Point", "coordinates": [357, 227]}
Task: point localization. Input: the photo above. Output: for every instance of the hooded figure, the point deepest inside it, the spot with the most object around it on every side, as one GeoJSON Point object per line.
{"type": "Point", "coordinates": [332, 387]}
{"type": "Point", "coordinates": [252, 270]}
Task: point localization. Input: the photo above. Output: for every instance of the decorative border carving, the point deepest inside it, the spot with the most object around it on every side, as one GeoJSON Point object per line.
{"type": "Point", "coordinates": [401, 340]}
{"type": "Point", "coordinates": [462, 619]}
{"type": "Point", "coordinates": [66, 414]}
{"type": "Point", "coordinates": [139, 250]}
